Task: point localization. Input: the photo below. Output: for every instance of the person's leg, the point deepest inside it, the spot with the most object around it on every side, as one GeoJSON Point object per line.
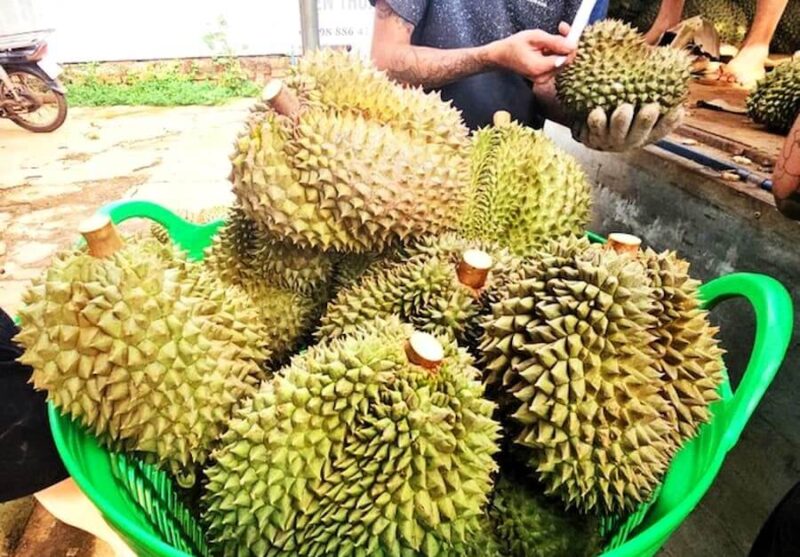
{"type": "Point", "coordinates": [669, 15]}
{"type": "Point", "coordinates": [747, 67]}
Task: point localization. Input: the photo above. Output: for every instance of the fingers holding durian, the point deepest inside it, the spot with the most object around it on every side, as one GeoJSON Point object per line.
{"type": "Point", "coordinates": [642, 126]}
{"type": "Point", "coordinates": [597, 128]}
{"type": "Point", "coordinates": [626, 128]}
{"type": "Point", "coordinates": [667, 124]}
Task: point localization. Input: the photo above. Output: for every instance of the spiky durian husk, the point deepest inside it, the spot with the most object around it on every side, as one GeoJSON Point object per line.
{"type": "Point", "coordinates": [202, 216]}
{"type": "Point", "coordinates": [423, 289]}
{"type": "Point", "coordinates": [144, 349]}
{"type": "Point", "coordinates": [614, 66]}
{"type": "Point", "coordinates": [362, 168]}
{"type": "Point", "coordinates": [241, 253]}
{"type": "Point", "coordinates": [528, 524]}
{"type": "Point", "coordinates": [687, 350]}
{"type": "Point", "coordinates": [233, 250]}
{"type": "Point", "coordinates": [569, 346]}
{"type": "Point", "coordinates": [775, 101]}
{"type": "Point", "coordinates": [524, 190]}
{"type": "Point", "coordinates": [727, 16]}
{"type": "Point", "coordinates": [350, 267]}
{"type": "Point", "coordinates": [344, 83]}
{"type": "Point", "coordinates": [288, 318]}
{"type": "Point", "coordinates": [352, 450]}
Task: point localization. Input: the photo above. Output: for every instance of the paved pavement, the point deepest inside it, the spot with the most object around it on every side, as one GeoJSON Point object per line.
{"type": "Point", "coordinates": [50, 182]}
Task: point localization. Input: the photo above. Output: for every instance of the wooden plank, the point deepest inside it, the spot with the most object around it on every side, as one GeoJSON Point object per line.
{"type": "Point", "coordinates": [735, 134]}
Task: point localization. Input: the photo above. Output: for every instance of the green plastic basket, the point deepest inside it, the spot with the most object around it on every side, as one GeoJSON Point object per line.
{"type": "Point", "coordinates": [138, 501]}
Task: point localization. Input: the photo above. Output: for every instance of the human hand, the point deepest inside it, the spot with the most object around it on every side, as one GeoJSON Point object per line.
{"type": "Point", "coordinates": [532, 53]}
{"type": "Point", "coordinates": [626, 129]}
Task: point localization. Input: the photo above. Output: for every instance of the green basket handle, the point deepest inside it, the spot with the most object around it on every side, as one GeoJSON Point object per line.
{"type": "Point", "coordinates": [774, 320]}
{"type": "Point", "coordinates": [188, 235]}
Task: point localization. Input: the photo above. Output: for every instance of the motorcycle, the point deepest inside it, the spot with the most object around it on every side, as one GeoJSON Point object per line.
{"type": "Point", "coordinates": [30, 93]}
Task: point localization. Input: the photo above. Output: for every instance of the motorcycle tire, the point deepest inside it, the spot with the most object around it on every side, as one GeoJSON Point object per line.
{"type": "Point", "coordinates": [61, 103]}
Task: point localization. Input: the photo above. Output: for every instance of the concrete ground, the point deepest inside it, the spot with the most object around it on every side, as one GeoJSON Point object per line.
{"type": "Point", "coordinates": [50, 182]}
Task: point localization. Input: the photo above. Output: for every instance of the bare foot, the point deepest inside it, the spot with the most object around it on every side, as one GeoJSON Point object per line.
{"type": "Point", "coordinates": [748, 66]}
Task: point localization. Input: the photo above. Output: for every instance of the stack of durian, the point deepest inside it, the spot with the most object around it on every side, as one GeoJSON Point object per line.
{"type": "Point", "coordinates": [398, 344]}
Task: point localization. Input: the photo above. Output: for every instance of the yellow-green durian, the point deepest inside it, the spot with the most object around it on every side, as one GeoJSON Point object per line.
{"type": "Point", "coordinates": [524, 190]}
{"type": "Point", "coordinates": [568, 348]}
{"type": "Point", "coordinates": [686, 345]}
{"type": "Point", "coordinates": [364, 163]}
{"type": "Point", "coordinates": [604, 366]}
{"type": "Point", "coordinates": [354, 450]}
{"type": "Point", "coordinates": [143, 348]}
{"type": "Point", "coordinates": [614, 66]}
{"type": "Point", "coordinates": [424, 287]}
{"type": "Point", "coordinates": [775, 101]}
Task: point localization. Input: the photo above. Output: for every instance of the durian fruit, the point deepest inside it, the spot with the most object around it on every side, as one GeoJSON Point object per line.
{"type": "Point", "coordinates": [524, 190]}
{"type": "Point", "coordinates": [442, 286]}
{"type": "Point", "coordinates": [775, 101]}
{"type": "Point", "coordinates": [614, 66]}
{"type": "Point", "coordinates": [603, 365]}
{"type": "Point", "coordinates": [568, 344]}
{"type": "Point", "coordinates": [288, 318]}
{"type": "Point", "coordinates": [202, 216]}
{"type": "Point", "coordinates": [345, 83]}
{"type": "Point", "coordinates": [528, 524]}
{"type": "Point", "coordinates": [288, 285]}
{"type": "Point", "coordinates": [688, 355]}
{"type": "Point", "coordinates": [727, 17]}
{"type": "Point", "coordinates": [379, 443]}
{"type": "Point", "coordinates": [347, 160]}
{"type": "Point", "coordinates": [140, 347]}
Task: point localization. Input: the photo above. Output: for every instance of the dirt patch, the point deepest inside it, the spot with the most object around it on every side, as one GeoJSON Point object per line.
{"type": "Point", "coordinates": [40, 227]}
{"type": "Point", "coordinates": [78, 157]}
{"type": "Point", "coordinates": [47, 537]}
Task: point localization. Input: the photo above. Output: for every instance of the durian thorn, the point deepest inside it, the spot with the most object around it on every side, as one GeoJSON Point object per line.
{"type": "Point", "coordinates": [101, 236]}
{"type": "Point", "coordinates": [624, 243]}
{"type": "Point", "coordinates": [280, 98]}
{"type": "Point", "coordinates": [474, 267]}
{"type": "Point", "coordinates": [501, 118]}
{"type": "Point", "coordinates": [424, 350]}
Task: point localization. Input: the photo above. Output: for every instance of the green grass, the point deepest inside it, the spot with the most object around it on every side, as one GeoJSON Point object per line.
{"type": "Point", "coordinates": [170, 88]}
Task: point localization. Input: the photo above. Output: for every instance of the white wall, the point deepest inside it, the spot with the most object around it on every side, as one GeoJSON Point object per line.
{"type": "Point", "coordinates": [103, 30]}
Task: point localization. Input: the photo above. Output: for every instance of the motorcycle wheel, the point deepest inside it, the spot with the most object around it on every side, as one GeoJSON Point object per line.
{"type": "Point", "coordinates": [52, 106]}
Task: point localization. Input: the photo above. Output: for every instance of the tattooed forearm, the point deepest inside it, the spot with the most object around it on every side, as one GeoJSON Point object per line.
{"type": "Point", "coordinates": [415, 65]}
{"type": "Point", "coordinates": [430, 67]}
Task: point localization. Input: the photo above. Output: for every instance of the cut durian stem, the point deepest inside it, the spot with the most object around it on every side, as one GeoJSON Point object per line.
{"type": "Point", "coordinates": [624, 243]}
{"type": "Point", "coordinates": [101, 236]}
{"type": "Point", "coordinates": [474, 267]}
{"type": "Point", "coordinates": [423, 349]}
{"type": "Point", "coordinates": [501, 118]}
{"type": "Point", "coordinates": [280, 98]}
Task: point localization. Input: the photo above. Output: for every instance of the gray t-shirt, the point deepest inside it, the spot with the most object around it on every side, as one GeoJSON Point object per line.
{"type": "Point", "coordinates": [468, 23]}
